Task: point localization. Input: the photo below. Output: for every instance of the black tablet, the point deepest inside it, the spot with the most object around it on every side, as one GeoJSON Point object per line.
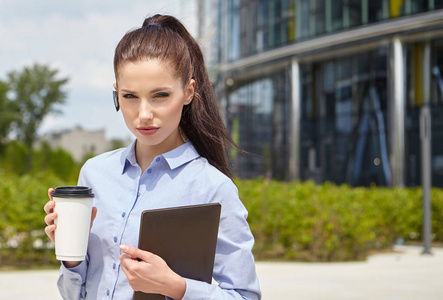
{"type": "Point", "coordinates": [185, 237]}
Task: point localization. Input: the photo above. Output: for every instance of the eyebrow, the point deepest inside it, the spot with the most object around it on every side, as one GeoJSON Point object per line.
{"type": "Point", "coordinates": [160, 89]}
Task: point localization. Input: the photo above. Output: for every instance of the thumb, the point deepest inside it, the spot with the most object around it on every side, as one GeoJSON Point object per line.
{"type": "Point", "coordinates": [50, 191]}
{"type": "Point", "coordinates": [136, 253]}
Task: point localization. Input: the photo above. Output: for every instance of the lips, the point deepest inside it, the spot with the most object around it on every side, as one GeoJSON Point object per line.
{"type": "Point", "coordinates": [148, 130]}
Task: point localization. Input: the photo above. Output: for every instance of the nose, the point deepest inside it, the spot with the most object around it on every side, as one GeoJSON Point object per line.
{"type": "Point", "coordinates": [145, 113]}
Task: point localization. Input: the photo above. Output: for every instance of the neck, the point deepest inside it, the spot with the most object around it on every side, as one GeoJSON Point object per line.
{"type": "Point", "coordinates": [145, 154]}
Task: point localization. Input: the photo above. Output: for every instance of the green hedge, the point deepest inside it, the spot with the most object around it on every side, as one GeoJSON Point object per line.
{"type": "Point", "coordinates": [23, 242]}
{"type": "Point", "coordinates": [309, 222]}
{"type": "Point", "coordinates": [292, 221]}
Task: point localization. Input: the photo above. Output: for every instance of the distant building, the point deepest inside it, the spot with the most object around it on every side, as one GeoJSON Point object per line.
{"type": "Point", "coordinates": [78, 142]}
{"type": "Point", "coordinates": [330, 90]}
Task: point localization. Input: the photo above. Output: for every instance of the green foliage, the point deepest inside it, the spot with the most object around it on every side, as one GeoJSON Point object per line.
{"type": "Point", "coordinates": [23, 194]}
{"type": "Point", "coordinates": [13, 160]}
{"type": "Point", "coordinates": [308, 222]}
{"type": "Point", "coordinates": [22, 239]}
{"type": "Point", "coordinates": [8, 113]}
{"type": "Point", "coordinates": [34, 92]}
{"type": "Point", "coordinates": [117, 144]}
{"type": "Point", "coordinates": [57, 160]}
{"type": "Point", "coordinates": [291, 221]}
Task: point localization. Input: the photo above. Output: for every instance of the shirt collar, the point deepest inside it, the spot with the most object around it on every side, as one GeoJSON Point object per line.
{"type": "Point", "coordinates": [175, 158]}
{"type": "Point", "coordinates": [181, 155]}
{"type": "Point", "coordinates": [128, 157]}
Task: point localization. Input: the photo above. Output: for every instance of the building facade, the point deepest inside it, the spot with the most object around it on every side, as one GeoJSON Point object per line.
{"type": "Point", "coordinates": [332, 90]}
{"type": "Point", "coordinates": [78, 142]}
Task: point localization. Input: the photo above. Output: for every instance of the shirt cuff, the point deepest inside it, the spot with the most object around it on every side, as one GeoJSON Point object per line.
{"type": "Point", "coordinates": [76, 274]}
{"type": "Point", "coordinates": [196, 290]}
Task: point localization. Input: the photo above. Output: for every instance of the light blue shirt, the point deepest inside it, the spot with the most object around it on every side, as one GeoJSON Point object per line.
{"type": "Point", "coordinates": [176, 178]}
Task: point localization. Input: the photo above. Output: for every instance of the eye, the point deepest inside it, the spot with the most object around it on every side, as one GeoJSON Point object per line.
{"type": "Point", "coordinates": [129, 96]}
{"type": "Point", "coordinates": [161, 95]}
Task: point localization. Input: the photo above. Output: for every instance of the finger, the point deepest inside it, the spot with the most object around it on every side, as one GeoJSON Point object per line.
{"type": "Point", "coordinates": [50, 218]}
{"type": "Point", "coordinates": [49, 207]}
{"type": "Point", "coordinates": [50, 230]}
{"type": "Point", "coordinates": [125, 259]}
{"type": "Point", "coordinates": [126, 263]}
{"type": "Point", "coordinates": [50, 191]}
{"type": "Point", "coordinates": [136, 253]}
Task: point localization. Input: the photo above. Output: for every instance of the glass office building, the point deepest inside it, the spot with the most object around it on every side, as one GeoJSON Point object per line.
{"type": "Point", "coordinates": [331, 90]}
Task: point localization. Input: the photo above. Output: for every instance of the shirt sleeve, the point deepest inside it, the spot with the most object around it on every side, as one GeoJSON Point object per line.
{"type": "Point", "coordinates": [72, 282]}
{"type": "Point", "coordinates": [234, 266]}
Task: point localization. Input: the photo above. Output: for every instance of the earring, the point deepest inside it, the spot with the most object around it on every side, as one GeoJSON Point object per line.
{"type": "Point", "coordinates": [116, 104]}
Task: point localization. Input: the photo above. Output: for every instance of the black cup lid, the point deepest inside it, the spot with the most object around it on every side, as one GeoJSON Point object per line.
{"type": "Point", "coordinates": [73, 192]}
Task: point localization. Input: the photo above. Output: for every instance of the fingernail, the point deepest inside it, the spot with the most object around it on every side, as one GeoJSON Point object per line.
{"type": "Point", "coordinates": [123, 248]}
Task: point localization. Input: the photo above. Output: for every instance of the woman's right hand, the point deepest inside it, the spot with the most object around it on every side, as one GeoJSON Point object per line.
{"type": "Point", "coordinates": [50, 218]}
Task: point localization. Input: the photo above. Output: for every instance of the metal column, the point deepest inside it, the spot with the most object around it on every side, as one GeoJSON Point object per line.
{"type": "Point", "coordinates": [294, 156]}
{"type": "Point", "coordinates": [425, 137]}
{"type": "Point", "coordinates": [397, 139]}
{"type": "Point", "coordinates": [426, 153]}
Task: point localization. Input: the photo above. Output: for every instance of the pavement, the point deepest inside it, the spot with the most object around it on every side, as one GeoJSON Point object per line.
{"type": "Point", "coordinates": [402, 274]}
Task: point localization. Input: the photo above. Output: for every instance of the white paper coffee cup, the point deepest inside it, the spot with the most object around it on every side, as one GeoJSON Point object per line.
{"type": "Point", "coordinates": [73, 204]}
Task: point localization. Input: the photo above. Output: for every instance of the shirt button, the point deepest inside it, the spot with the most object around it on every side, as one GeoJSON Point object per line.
{"type": "Point", "coordinates": [157, 159]}
{"type": "Point", "coordinates": [123, 215]}
{"type": "Point", "coordinates": [114, 266]}
{"type": "Point", "coordinates": [107, 292]}
{"type": "Point", "coordinates": [115, 239]}
{"type": "Point", "coordinates": [149, 171]}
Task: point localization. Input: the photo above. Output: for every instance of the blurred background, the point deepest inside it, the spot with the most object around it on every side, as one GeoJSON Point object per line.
{"type": "Point", "coordinates": [340, 103]}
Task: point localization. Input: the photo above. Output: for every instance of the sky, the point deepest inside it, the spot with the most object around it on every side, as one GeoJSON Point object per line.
{"type": "Point", "coordinates": [78, 38]}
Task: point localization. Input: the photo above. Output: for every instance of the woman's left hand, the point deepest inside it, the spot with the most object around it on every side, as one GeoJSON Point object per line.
{"type": "Point", "coordinates": [149, 273]}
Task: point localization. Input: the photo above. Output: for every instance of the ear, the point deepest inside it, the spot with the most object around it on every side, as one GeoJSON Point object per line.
{"type": "Point", "coordinates": [189, 91]}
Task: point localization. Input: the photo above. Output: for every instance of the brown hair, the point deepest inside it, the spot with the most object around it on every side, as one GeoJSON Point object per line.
{"type": "Point", "coordinates": [165, 38]}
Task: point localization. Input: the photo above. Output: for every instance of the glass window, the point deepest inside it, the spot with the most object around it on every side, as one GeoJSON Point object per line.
{"type": "Point", "coordinates": [317, 25]}
{"type": "Point", "coordinates": [235, 33]}
{"type": "Point", "coordinates": [416, 84]}
{"type": "Point", "coordinates": [376, 11]}
{"type": "Point", "coordinates": [262, 25]}
{"type": "Point", "coordinates": [258, 116]}
{"type": "Point", "coordinates": [254, 26]}
{"type": "Point", "coordinates": [437, 113]}
{"type": "Point", "coordinates": [355, 13]}
{"type": "Point", "coordinates": [334, 15]}
{"type": "Point", "coordinates": [303, 19]}
{"type": "Point", "coordinates": [417, 6]}
{"type": "Point", "coordinates": [345, 141]}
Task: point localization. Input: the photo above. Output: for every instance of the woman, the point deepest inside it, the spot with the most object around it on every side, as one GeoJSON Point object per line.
{"type": "Point", "coordinates": [178, 158]}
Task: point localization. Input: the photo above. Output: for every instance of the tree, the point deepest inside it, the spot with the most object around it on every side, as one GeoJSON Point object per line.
{"type": "Point", "coordinates": [117, 144]}
{"type": "Point", "coordinates": [8, 113]}
{"type": "Point", "coordinates": [35, 91]}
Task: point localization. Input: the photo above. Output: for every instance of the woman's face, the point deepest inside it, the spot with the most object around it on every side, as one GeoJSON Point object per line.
{"type": "Point", "coordinates": [151, 99]}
